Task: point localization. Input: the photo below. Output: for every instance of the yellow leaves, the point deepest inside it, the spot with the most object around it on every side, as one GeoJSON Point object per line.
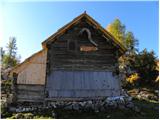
{"type": "Point", "coordinates": [133, 78]}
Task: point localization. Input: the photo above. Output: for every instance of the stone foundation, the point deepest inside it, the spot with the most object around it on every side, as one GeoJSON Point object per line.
{"type": "Point", "coordinates": [96, 105]}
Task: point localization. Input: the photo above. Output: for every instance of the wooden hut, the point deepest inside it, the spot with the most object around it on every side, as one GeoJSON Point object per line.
{"type": "Point", "coordinates": [79, 61]}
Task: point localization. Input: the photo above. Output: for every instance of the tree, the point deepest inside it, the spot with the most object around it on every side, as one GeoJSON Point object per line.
{"type": "Point", "coordinates": [117, 29]}
{"type": "Point", "coordinates": [145, 64]}
{"type": "Point", "coordinates": [131, 43]}
{"type": "Point", "coordinates": [2, 52]}
{"type": "Point", "coordinates": [11, 47]}
{"type": "Point", "coordinates": [10, 58]}
{"type": "Point", "coordinates": [138, 66]}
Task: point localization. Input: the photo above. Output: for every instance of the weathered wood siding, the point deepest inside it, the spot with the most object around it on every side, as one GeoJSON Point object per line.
{"type": "Point", "coordinates": [33, 71]}
{"type": "Point", "coordinates": [30, 81]}
{"type": "Point", "coordinates": [82, 84]}
{"type": "Point", "coordinates": [30, 93]}
{"type": "Point", "coordinates": [78, 73]}
{"type": "Point", "coordinates": [60, 58]}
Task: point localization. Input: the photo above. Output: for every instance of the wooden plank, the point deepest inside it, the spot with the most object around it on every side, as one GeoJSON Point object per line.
{"type": "Point", "coordinates": [80, 84]}
{"type": "Point", "coordinates": [31, 87]}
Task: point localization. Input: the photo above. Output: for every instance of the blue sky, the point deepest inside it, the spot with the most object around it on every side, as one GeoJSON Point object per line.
{"type": "Point", "coordinates": [33, 22]}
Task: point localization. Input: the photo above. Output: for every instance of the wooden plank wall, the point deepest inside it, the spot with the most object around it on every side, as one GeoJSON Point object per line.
{"type": "Point", "coordinates": [33, 71]}
{"type": "Point", "coordinates": [60, 58]}
{"type": "Point", "coordinates": [30, 93]}
{"type": "Point", "coordinates": [82, 84]}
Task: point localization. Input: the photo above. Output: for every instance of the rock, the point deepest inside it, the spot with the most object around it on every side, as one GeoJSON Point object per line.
{"type": "Point", "coordinates": [17, 110]}
{"type": "Point", "coordinates": [130, 98]}
{"type": "Point", "coordinates": [12, 109]}
{"type": "Point", "coordinates": [68, 107]}
{"type": "Point", "coordinates": [19, 116]}
{"type": "Point", "coordinates": [89, 105]}
{"type": "Point", "coordinates": [82, 104]}
{"type": "Point", "coordinates": [53, 114]}
{"type": "Point", "coordinates": [130, 105]}
{"type": "Point", "coordinates": [156, 91]}
{"type": "Point", "coordinates": [75, 106]}
{"type": "Point", "coordinates": [139, 96]}
{"type": "Point", "coordinates": [28, 116]}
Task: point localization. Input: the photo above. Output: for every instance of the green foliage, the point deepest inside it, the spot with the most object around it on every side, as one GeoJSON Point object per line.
{"type": "Point", "coordinates": [145, 65]}
{"type": "Point", "coordinates": [133, 78]}
{"type": "Point", "coordinates": [117, 29]}
{"type": "Point", "coordinates": [2, 52]}
{"type": "Point", "coordinates": [131, 42]}
{"type": "Point", "coordinates": [29, 116]}
{"type": "Point", "coordinates": [9, 61]}
{"type": "Point", "coordinates": [6, 86]}
{"type": "Point", "coordinates": [9, 58]}
{"type": "Point", "coordinates": [11, 47]}
{"type": "Point", "coordinates": [4, 110]}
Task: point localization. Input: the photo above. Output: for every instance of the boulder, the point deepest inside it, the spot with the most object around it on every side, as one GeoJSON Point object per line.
{"type": "Point", "coordinates": [68, 107]}
{"type": "Point", "coordinates": [82, 104]}
{"type": "Point", "coordinates": [12, 109]}
{"type": "Point", "coordinates": [19, 116]}
{"type": "Point", "coordinates": [75, 106]}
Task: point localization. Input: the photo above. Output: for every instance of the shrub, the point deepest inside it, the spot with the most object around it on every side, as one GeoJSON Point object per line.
{"type": "Point", "coordinates": [133, 78]}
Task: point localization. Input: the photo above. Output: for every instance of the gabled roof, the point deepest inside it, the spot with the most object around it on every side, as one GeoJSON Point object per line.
{"type": "Point", "coordinates": [26, 60]}
{"type": "Point", "coordinates": [91, 20]}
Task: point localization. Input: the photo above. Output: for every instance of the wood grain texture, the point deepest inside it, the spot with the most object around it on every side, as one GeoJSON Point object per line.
{"type": "Point", "coordinates": [82, 84]}
{"type": "Point", "coordinates": [60, 57]}
{"type": "Point", "coordinates": [34, 93]}
{"type": "Point", "coordinates": [33, 71]}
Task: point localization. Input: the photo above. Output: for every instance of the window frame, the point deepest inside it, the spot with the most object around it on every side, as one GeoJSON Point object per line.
{"type": "Point", "coordinates": [68, 46]}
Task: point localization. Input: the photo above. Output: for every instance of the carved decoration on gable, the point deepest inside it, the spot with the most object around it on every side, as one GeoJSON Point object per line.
{"type": "Point", "coordinates": [89, 35]}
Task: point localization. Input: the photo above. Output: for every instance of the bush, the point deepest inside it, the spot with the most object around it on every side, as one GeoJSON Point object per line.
{"type": "Point", "coordinates": [6, 86]}
{"type": "Point", "coordinates": [133, 78]}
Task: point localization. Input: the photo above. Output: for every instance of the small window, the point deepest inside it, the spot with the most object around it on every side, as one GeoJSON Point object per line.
{"type": "Point", "coordinates": [71, 46]}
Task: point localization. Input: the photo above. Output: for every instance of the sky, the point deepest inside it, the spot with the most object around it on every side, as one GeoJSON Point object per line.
{"type": "Point", "coordinates": [33, 22]}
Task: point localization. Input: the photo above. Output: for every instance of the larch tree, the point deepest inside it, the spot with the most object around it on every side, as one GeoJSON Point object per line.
{"type": "Point", "coordinates": [10, 58]}
{"type": "Point", "coordinates": [117, 29]}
